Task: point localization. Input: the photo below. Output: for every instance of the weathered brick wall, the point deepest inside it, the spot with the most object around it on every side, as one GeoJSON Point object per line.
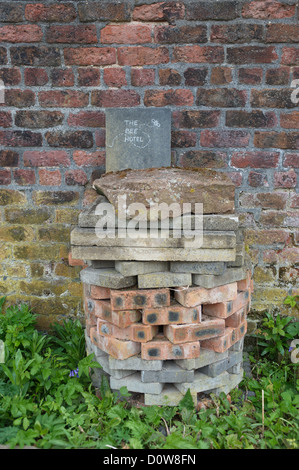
{"type": "Point", "coordinates": [225, 68]}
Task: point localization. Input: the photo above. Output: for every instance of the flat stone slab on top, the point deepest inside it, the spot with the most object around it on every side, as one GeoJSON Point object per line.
{"type": "Point", "coordinates": [153, 186]}
{"type": "Point", "coordinates": [137, 138]}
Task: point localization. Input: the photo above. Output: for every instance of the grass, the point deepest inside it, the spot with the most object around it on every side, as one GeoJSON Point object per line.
{"type": "Point", "coordinates": [47, 399]}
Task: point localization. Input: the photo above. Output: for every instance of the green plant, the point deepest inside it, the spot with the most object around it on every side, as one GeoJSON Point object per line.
{"type": "Point", "coordinates": [292, 300]}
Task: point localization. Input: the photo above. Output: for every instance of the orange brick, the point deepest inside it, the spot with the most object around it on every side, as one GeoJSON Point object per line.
{"type": "Point", "coordinates": [224, 342]}
{"type": "Point", "coordinates": [236, 318]}
{"type": "Point", "coordinates": [75, 262]}
{"type": "Point", "coordinates": [245, 283]}
{"type": "Point", "coordinates": [194, 296]}
{"type": "Point", "coordinates": [116, 348]}
{"type": "Point", "coordinates": [162, 349]}
{"type": "Point", "coordinates": [225, 309]}
{"type": "Point", "coordinates": [120, 318]}
{"type": "Point", "coordinates": [132, 299]}
{"type": "Point", "coordinates": [98, 292]}
{"type": "Point", "coordinates": [208, 328]}
{"type": "Point", "coordinates": [174, 314]}
{"type": "Point", "coordinates": [136, 332]}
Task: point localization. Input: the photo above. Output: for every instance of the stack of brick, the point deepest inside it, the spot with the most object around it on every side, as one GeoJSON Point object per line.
{"type": "Point", "coordinates": [162, 318]}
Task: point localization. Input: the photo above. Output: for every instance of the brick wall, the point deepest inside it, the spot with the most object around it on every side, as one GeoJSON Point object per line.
{"type": "Point", "coordinates": [225, 68]}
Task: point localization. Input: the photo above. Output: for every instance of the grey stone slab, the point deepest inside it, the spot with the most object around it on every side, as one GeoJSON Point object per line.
{"type": "Point", "coordinates": [234, 380]}
{"type": "Point", "coordinates": [138, 138]}
{"type": "Point", "coordinates": [170, 373]}
{"type": "Point", "coordinates": [238, 346]}
{"type": "Point", "coordinates": [152, 254]}
{"type": "Point", "coordinates": [170, 396]}
{"type": "Point", "coordinates": [145, 238]}
{"type": "Point", "coordinates": [133, 268]}
{"type": "Point", "coordinates": [207, 356]}
{"type": "Point", "coordinates": [91, 348]}
{"type": "Point", "coordinates": [215, 268]}
{"type": "Point", "coordinates": [235, 369]}
{"type": "Point", "coordinates": [212, 370]}
{"type": "Point", "coordinates": [101, 264]}
{"type": "Point", "coordinates": [106, 277]}
{"type": "Point", "coordinates": [96, 377]}
{"type": "Point", "coordinates": [209, 281]}
{"type": "Point", "coordinates": [134, 363]}
{"type": "Point", "coordinates": [164, 279]}
{"type": "Point", "coordinates": [203, 382]}
{"type": "Point", "coordinates": [116, 373]}
{"type": "Point", "coordinates": [134, 384]}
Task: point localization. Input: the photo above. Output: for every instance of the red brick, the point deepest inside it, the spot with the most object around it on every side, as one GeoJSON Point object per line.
{"type": "Point", "coordinates": [221, 75]}
{"type": "Point", "coordinates": [208, 328]}
{"type": "Point", "coordinates": [77, 34]}
{"type": "Point", "coordinates": [129, 33]}
{"type": "Point", "coordinates": [282, 140]}
{"type": "Point", "coordinates": [134, 332]}
{"type": "Point", "coordinates": [187, 34]}
{"type": "Point", "coordinates": [11, 76]}
{"type": "Point", "coordinates": [236, 177]}
{"type": "Point", "coordinates": [194, 296]}
{"type": "Point", "coordinates": [90, 56]}
{"type": "Point", "coordinates": [236, 33]}
{"type": "Point", "coordinates": [290, 56]}
{"type": "Point", "coordinates": [285, 179]}
{"type": "Point", "coordinates": [183, 139]}
{"type": "Point", "coordinates": [62, 77]}
{"type": "Point", "coordinates": [89, 76]}
{"type": "Point", "coordinates": [49, 177]}
{"type": "Point", "coordinates": [39, 12]}
{"type": "Point", "coordinates": [221, 97]}
{"type": "Point", "coordinates": [196, 76]}
{"type": "Point", "coordinates": [46, 158]}
{"type": "Point", "coordinates": [143, 333]}
{"type": "Point", "coordinates": [198, 54]}
{"type": "Point", "coordinates": [43, 56]}
{"type": "Point", "coordinates": [279, 76]}
{"type": "Point", "coordinates": [20, 138]}
{"type": "Point", "coordinates": [257, 179]}
{"type": "Point", "coordinates": [9, 158]}
{"type": "Point", "coordinates": [115, 77]}
{"type": "Point", "coordinates": [174, 314]}
{"type": "Point", "coordinates": [35, 77]}
{"type": "Point", "coordinates": [5, 119]}
{"type": "Point", "coordinates": [74, 262]}
{"type": "Point", "coordinates": [264, 10]}
{"type": "Point", "coordinates": [98, 292]}
{"type": "Point", "coordinates": [116, 348]}
{"type": "Point", "coordinates": [63, 98]}
{"type": "Point", "coordinates": [265, 237]}
{"type": "Point", "coordinates": [291, 159]}
{"type": "Point", "coordinates": [142, 77]}
{"type": "Point", "coordinates": [288, 256]}
{"type": "Point", "coordinates": [142, 55]}
{"type": "Point", "coordinates": [255, 118]}
{"type": "Point", "coordinates": [104, 11]}
{"type": "Point", "coordinates": [139, 298]}
{"type": "Point", "coordinates": [3, 56]}
{"type": "Point", "coordinates": [224, 138]}
{"type": "Point", "coordinates": [290, 120]}
{"type": "Point", "coordinates": [251, 55]}
{"type": "Point", "coordinates": [196, 118]}
{"type": "Point", "coordinates": [5, 177]}
{"type": "Point", "coordinates": [224, 342]}
{"type": "Point", "coordinates": [11, 13]}
{"type": "Point", "coordinates": [226, 308]}
{"type": "Point", "coordinates": [82, 158]}
{"type": "Point", "coordinates": [255, 159]}
{"type": "Point", "coordinates": [244, 284]}
{"type": "Point", "coordinates": [87, 119]}
{"type": "Point", "coordinates": [164, 11]}
{"type": "Point", "coordinates": [21, 33]}
{"type": "Point", "coordinates": [272, 98]}
{"type": "Point", "coordinates": [38, 119]}
{"type": "Point", "coordinates": [120, 318]}
{"type": "Point", "coordinates": [76, 177]}
{"type": "Point", "coordinates": [203, 159]}
{"type": "Point", "coordinates": [70, 139]}
{"type": "Point", "coordinates": [24, 177]}
{"type": "Point", "coordinates": [202, 10]}
{"type": "Point", "coordinates": [19, 98]}
{"type": "Point", "coordinates": [177, 97]}
{"type": "Point", "coordinates": [100, 137]}
{"type": "Point", "coordinates": [114, 98]}
{"type": "Point", "coordinates": [169, 77]}
{"type": "Point", "coordinates": [250, 76]}
{"type": "Point", "coordinates": [162, 349]}
{"type": "Point", "coordinates": [265, 200]}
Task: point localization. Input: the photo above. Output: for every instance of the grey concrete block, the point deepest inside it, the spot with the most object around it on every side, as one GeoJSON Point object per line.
{"type": "Point", "coordinates": [96, 377]}
{"type": "Point", "coordinates": [106, 277]}
{"type": "Point", "coordinates": [233, 382]}
{"type": "Point", "coordinates": [238, 346]}
{"type": "Point", "coordinates": [215, 268]}
{"type": "Point", "coordinates": [133, 268]}
{"type": "Point", "coordinates": [212, 370]}
{"type": "Point", "coordinates": [170, 373]}
{"type": "Point", "coordinates": [203, 382]}
{"type": "Point", "coordinates": [170, 396]}
{"type": "Point", "coordinates": [101, 264]}
{"type": "Point", "coordinates": [116, 373]}
{"type": "Point", "coordinates": [164, 279]}
{"type": "Point", "coordinates": [208, 281]}
{"type": "Point", "coordinates": [134, 384]}
{"type": "Point", "coordinates": [206, 357]}
{"type": "Point", "coordinates": [134, 363]}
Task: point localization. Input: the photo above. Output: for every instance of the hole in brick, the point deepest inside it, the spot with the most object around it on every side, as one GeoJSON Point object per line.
{"type": "Point", "coordinates": [161, 299]}
{"type": "Point", "coordinates": [173, 316]}
{"type": "Point", "coordinates": [141, 334]}
{"type": "Point", "coordinates": [118, 301]}
{"type": "Point", "coordinates": [140, 300]}
{"type": "Point", "coordinates": [151, 318]}
{"type": "Point", "coordinates": [154, 352]}
{"type": "Point", "coordinates": [177, 351]}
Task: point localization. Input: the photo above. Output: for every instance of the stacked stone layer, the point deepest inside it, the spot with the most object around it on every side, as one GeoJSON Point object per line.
{"type": "Point", "coordinates": [162, 318]}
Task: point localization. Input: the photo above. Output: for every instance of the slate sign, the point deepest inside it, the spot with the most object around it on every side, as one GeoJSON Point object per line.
{"type": "Point", "coordinates": [137, 138]}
